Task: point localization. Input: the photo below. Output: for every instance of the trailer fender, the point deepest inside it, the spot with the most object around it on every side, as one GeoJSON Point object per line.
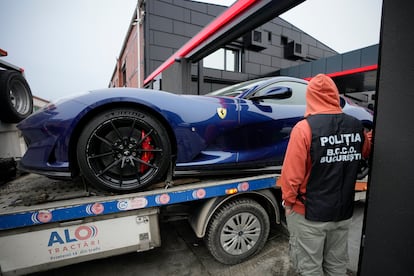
{"type": "Point", "coordinates": [200, 219]}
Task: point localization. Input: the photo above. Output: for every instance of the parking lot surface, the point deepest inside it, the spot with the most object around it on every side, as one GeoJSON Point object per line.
{"type": "Point", "coordinates": [182, 253]}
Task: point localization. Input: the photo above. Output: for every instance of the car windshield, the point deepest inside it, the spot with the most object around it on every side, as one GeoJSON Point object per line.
{"type": "Point", "coordinates": [237, 89]}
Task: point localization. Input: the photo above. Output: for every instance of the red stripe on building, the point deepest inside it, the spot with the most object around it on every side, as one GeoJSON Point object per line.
{"type": "Point", "coordinates": [350, 71]}
{"type": "Point", "coordinates": [228, 15]}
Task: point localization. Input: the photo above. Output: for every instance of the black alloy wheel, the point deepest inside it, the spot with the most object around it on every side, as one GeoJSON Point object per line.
{"type": "Point", "coordinates": [123, 150]}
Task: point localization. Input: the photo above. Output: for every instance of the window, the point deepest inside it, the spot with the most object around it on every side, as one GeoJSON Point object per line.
{"type": "Point", "coordinates": [238, 88]}
{"type": "Point", "coordinates": [224, 59]}
{"type": "Point", "coordinates": [232, 60]}
{"type": "Point", "coordinates": [283, 40]}
{"type": "Point", "coordinates": [298, 93]}
{"type": "Point", "coordinates": [269, 36]}
{"type": "Point", "coordinates": [257, 36]}
{"type": "Point", "coordinates": [124, 77]}
{"type": "Point", "coordinates": [298, 48]}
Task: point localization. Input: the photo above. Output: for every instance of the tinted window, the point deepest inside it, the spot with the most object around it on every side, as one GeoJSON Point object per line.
{"type": "Point", "coordinates": [237, 89]}
{"type": "Point", "coordinates": [298, 93]}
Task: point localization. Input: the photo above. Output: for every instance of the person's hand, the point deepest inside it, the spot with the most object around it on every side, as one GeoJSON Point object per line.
{"type": "Point", "coordinates": [369, 134]}
{"type": "Point", "coordinates": [288, 210]}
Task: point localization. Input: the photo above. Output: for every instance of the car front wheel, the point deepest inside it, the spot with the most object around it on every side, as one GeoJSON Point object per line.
{"type": "Point", "coordinates": [123, 150]}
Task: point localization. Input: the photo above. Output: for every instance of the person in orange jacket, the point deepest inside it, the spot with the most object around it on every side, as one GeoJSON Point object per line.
{"type": "Point", "coordinates": [318, 179]}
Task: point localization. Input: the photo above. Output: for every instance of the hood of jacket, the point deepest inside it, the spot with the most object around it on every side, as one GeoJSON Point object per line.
{"type": "Point", "coordinates": [322, 96]}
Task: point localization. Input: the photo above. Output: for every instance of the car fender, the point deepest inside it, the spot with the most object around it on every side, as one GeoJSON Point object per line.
{"type": "Point", "coordinates": [190, 119]}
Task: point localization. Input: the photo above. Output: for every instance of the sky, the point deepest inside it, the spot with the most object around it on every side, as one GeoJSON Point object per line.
{"type": "Point", "coordinates": [71, 46]}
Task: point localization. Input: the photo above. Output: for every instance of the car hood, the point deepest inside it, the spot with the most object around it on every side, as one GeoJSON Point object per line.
{"type": "Point", "coordinates": [173, 107]}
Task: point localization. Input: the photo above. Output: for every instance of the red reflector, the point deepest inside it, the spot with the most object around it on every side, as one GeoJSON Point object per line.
{"type": "Point", "coordinates": [350, 71]}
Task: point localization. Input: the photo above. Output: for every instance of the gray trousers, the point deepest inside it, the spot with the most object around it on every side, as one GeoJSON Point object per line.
{"type": "Point", "coordinates": [318, 248]}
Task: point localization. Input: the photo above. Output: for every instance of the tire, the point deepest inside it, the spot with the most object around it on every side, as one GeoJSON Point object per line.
{"type": "Point", "coordinates": [7, 169]}
{"type": "Point", "coordinates": [16, 101]}
{"type": "Point", "coordinates": [123, 150]}
{"type": "Point", "coordinates": [227, 238]}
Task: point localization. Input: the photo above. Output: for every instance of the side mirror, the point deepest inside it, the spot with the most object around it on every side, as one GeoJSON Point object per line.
{"type": "Point", "coordinates": [280, 92]}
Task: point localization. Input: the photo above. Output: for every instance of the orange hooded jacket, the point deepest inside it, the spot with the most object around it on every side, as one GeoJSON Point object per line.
{"type": "Point", "coordinates": [322, 97]}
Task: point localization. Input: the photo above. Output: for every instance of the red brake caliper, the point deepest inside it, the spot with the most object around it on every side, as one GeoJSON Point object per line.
{"type": "Point", "coordinates": [146, 156]}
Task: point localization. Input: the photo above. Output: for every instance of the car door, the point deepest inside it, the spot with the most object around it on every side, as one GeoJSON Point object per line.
{"type": "Point", "coordinates": [204, 131]}
{"type": "Point", "coordinates": [266, 123]}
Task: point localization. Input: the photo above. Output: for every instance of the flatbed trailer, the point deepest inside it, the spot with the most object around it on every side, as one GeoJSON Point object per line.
{"type": "Point", "coordinates": [47, 223]}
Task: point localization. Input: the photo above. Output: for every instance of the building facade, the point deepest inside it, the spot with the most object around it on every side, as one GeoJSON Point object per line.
{"type": "Point", "coordinates": [160, 27]}
{"type": "Point", "coordinates": [39, 103]}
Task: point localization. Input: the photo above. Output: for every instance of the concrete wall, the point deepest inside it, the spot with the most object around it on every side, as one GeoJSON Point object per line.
{"type": "Point", "coordinates": [354, 59]}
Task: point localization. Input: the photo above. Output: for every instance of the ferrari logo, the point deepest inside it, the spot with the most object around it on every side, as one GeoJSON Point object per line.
{"type": "Point", "coordinates": [222, 112]}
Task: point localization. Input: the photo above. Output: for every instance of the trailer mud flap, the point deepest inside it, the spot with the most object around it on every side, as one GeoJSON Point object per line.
{"type": "Point", "coordinates": [76, 241]}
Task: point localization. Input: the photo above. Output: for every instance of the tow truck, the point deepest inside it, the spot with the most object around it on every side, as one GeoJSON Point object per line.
{"type": "Point", "coordinates": [46, 223]}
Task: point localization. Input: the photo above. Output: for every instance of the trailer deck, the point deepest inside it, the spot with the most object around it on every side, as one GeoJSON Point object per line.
{"type": "Point", "coordinates": [34, 200]}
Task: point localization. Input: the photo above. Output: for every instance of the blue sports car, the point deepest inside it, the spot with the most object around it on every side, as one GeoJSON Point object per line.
{"type": "Point", "coordinates": [124, 139]}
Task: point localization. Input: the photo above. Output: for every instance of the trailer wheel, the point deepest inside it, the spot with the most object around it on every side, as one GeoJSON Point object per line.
{"type": "Point", "coordinates": [16, 102]}
{"type": "Point", "coordinates": [7, 169]}
{"type": "Point", "coordinates": [237, 231]}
